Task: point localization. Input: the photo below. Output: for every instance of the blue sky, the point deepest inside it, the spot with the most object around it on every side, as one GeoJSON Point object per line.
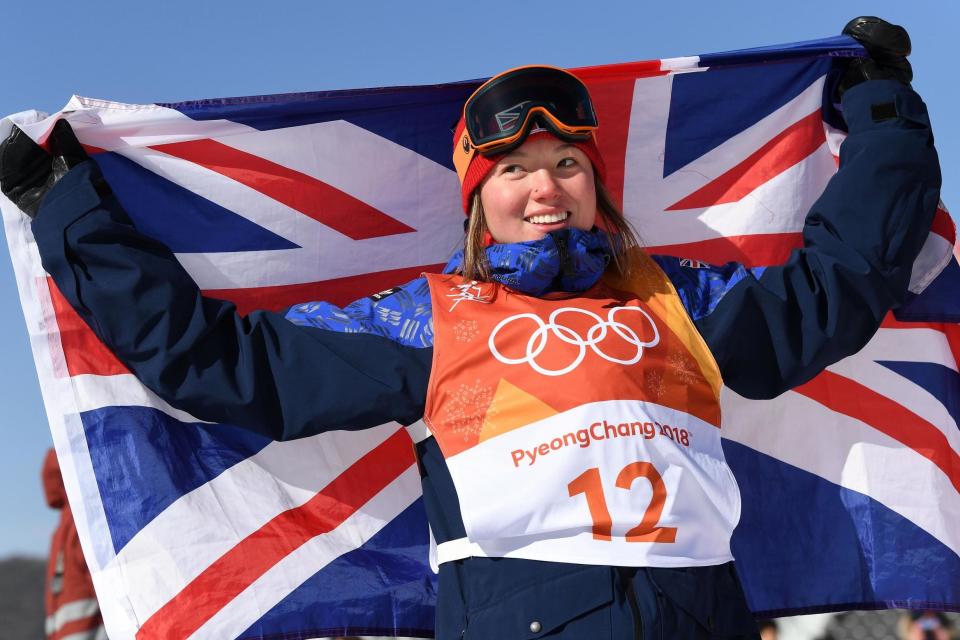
{"type": "Point", "coordinates": [175, 50]}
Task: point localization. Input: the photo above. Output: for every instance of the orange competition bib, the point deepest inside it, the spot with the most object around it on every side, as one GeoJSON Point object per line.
{"type": "Point", "coordinates": [580, 428]}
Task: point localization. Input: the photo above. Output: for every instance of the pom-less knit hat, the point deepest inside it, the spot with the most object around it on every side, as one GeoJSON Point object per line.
{"type": "Point", "coordinates": [480, 165]}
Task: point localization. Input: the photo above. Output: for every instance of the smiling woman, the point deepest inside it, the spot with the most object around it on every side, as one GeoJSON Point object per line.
{"type": "Point", "coordinates": [545, 185]}
{"type": "Point", "coordinates": [550, 320]}
{"type": "Point", "coordinates": [545, 214]}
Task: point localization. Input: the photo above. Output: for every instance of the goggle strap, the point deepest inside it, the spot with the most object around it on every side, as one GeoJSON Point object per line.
{"type": "Point", "coordinates": [463, 154]}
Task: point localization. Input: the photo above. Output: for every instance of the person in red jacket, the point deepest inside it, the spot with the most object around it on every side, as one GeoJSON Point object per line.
{"type": "Point", "coordinates": [69, 599]}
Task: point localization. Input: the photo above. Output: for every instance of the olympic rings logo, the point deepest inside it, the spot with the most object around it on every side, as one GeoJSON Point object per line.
{"type": "Point", "coordinates": [596, 334]}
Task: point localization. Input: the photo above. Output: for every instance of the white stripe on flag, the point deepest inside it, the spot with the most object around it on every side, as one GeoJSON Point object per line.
{"type": "Point", "coordinates": [429, 204]}
{"type": "Point", "coordinates": [801, 432]}
{"type": "Point", "coordinates": [311, 557]}
{"type": "Point", "coordinates": [935, 255]}
{"type": "Point", "coordinates": [647, 194]}
{"type": "Point", "coordinates": [892, 385]}
{"type": "Point", "coordinates": [201, 526]}
{"type": "Point", "coordinates": [408, 186]}
{"type": "Point", "coordinates": [229, 270]}
{"type": "Point", "coordinates": [685, 63]}
{"type": "Point", "coordinates": [910, 345]}
{"type": "Point", "coordinates": [122, 390]}
{"type": "Point", "coordinates": [117, 125]}
{"type": "Point", "coordinates": [791, 192]}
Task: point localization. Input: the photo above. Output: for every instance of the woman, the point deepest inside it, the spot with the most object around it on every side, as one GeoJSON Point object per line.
{"type": "Point", "coordinates": [575, 483]}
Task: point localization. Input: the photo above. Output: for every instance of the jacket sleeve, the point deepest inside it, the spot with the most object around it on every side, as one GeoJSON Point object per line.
{"type": "Point", "coordinates": [260, 371]}
{"type": "Point", "coordinates": [774, 328]}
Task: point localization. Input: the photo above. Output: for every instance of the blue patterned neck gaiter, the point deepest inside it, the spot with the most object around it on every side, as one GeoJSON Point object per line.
{"type": "Point", "coordinates": [568, 260]}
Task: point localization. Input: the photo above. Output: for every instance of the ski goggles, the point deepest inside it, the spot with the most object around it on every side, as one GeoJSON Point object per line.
{"type": "Point", "coordinates": [501, 113]}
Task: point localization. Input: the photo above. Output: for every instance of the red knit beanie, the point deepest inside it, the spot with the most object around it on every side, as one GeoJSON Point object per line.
{"type": "Point", "coordinates": [480, 165]}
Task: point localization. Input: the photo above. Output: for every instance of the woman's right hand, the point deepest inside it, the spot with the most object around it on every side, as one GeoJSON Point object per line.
{"type": "Point", "coordinates": [28, 171]}
{"type": "Point", "coordinates": [888, 45]}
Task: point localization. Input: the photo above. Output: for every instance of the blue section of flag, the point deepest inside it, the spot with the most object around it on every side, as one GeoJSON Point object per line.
{"type": "Point", "coordinates": [707, 109]}
{"type": "Point", "coordinates": [422, 118]}
{"type": "Point", "coordinates": [419, 118]}
{"type": "Point", "coordinates": [941, 382]}
{"type": "Point", "coordinates": [382, 588]}
{"type": "Point", "coordinates": [939, 302]}
{"type": "Point", "coordinates": [863, 556]}
{"type": "Point", "coordinates": [179, 218]}
{"type": "Point", "coordinates": [144, 460]}
{"type": "Point", "coordinates": [832, 47]}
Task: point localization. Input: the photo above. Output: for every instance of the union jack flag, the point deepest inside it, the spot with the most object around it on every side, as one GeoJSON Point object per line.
{"type": "Point", "coordinates": [850, 483]}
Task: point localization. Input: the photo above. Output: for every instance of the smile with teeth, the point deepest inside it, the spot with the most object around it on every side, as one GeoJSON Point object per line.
{"type": "Point", "coordinates": [549, 218]}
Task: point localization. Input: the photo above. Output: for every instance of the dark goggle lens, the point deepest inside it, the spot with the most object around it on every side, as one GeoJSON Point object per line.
{"type": "Point", "coordinates": [500, 108]}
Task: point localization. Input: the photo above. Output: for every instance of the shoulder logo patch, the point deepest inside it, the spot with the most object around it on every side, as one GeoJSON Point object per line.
{"type": "Point", "coordinates": [377, 297]}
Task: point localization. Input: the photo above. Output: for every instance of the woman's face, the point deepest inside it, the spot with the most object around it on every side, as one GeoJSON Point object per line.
{"type": "Point", "coordinates": [543, 185]}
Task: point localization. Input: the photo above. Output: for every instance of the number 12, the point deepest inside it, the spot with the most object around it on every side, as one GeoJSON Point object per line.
{"type": "Point", "coordinates": [589, 484]}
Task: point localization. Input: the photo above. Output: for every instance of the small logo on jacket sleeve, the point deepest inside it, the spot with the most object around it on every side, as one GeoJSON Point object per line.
{"type": "Point", "coordinates": [377, 297]}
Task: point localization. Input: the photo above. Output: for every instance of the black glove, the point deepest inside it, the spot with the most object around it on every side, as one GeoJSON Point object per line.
{"type": "Point", "coordinates": [28, 172]}
{"type": "Point", "coordinates": [888, 46]}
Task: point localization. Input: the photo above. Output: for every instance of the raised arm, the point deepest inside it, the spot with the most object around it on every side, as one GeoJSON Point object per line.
{"type": "Point", "coordinates": [262, 371]}
{"type": "Point", "coordinates": [774, 328]}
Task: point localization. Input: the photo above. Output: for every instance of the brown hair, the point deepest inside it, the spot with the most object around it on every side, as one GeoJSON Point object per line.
{"type": "Point", "coordinates": [621, 236]}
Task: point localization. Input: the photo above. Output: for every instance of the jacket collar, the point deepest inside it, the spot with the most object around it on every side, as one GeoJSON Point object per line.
{"type": "Point", "coordinates": [568, 260]}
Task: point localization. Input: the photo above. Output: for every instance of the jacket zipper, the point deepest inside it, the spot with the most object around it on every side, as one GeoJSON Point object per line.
{"type": "Point", "coordinates": [626, 575]}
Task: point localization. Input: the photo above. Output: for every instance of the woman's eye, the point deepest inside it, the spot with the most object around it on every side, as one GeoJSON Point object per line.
{"type": "Point", "coordinates": [512, 168]}
{"type": "Point", "coordinates": [567, 162]}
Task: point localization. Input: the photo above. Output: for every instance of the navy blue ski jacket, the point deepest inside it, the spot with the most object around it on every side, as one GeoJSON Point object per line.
{"type": "Point", "coordinates": [319, 367]}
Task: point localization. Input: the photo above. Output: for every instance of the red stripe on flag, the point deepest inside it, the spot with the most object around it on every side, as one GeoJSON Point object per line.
{"type": "Point", "coordinates": [789, 147]}
{"type": "Point", "coordinates": [82, 349]}
{"type": "Point", "coordinates": [639, 69]}
{"type": "Point", "coordinates": [338, 291]}
{"type": "Point", "coordinates": [611, 88]}
{"type": "Point", "coordinates": [240, 567]}
{"type": "Point", "coordinates": [890, 322]}
{"type": "Point", "coordinates": [613, 100]}
{"type": "Point", "coordinates": [757, 250]}
{"type": "Point", "coordinates": [943, 225]}
{"type": "Point", "coordinates": [851, 398]}
{"type": "Point", "coordinates": [315, 199]}
{"type": "Point", "coordinates": [952, 331]}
